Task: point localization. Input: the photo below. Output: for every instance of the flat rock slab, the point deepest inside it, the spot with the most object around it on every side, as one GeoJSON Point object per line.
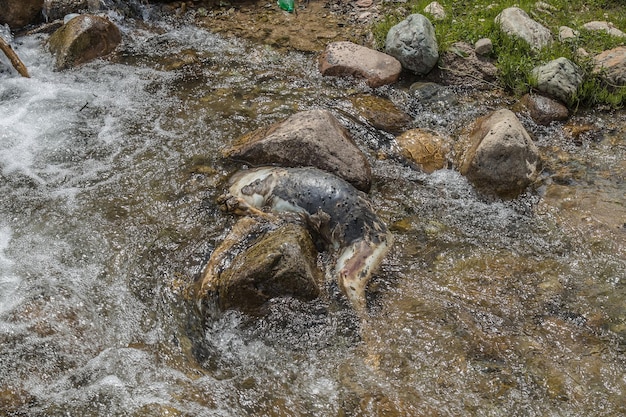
{"type": "Point", "coordinates": [349, 59]}
{"type": "Point", "coordinates": [310, 138]}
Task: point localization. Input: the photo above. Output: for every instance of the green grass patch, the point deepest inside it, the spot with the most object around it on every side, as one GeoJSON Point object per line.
{"type": "Point", "coordinates": [470, 21]}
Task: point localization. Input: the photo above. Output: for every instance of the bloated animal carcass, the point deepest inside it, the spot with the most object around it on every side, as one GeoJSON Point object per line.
{"type": "Point", "coordinates": [331, 207]}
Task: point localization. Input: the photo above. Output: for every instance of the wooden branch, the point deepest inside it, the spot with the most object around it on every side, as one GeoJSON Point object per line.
{"type": "Point", "coordinates": [15, 60]}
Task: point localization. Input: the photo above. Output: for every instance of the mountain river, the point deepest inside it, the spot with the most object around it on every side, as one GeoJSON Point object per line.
{"type": "Point", "coordinates": [109, 175]}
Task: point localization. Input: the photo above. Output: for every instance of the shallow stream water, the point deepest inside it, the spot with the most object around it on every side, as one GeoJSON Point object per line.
{"type": "Point", "coordinates": [108, 179]}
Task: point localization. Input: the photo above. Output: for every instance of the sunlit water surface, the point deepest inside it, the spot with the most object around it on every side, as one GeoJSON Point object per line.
{"type": "Point", "coordinates": [109, 175]}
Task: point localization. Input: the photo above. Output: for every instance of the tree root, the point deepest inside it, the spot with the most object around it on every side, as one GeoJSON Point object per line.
{"type": "Point", "coordinates": [15, 60]}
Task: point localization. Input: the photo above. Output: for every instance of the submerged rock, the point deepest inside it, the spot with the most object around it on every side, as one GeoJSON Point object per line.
{"type": "Point", "coordinates": [381, 113]}
{"type": "Point", "coordinates": [559, 78]}
{"type": "Point", "coordinates": [611, 65]}
{"type": "Point", "coordinates": [83, 39]}
{"type": "Point", "coordinates": [349, 59]}
{"type": "Point", "coordinates": [516, 22]}
{"type": "Point", "coordinates": [427, 149]}
{"type": "Point", "coordinates": [502, 158]}
{"type": "Point", "coordinates": [310, 138]}
{"type": "Point", "coordinates": [413, 43]}
{"type": "Point", "coordinates": [260, 260]}
{"type": "Point", "coordinates": [19, 13]}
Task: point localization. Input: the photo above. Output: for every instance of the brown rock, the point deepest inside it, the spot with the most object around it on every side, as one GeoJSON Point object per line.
{"type": "Point", "coordinates": [19, 13]}
{"type": "Point", "coordinates": [311, 138]}
{"type": "Point", "coordinates": [460, 65]}
{"type": "Point", "coordinates": [381, 113]}
{"type": "Point", "coordinates": [83, 39]}
{"type": "Point", "coordinates": [261, 260]}
{"type": "Point", "coordinates": [349, 59]}
{"type": "Point", "coordinates": [544, 110]}
{"type": "Point", "coordinates": [611, 65]}
{"type": "Point", "coordinates": [501, 159]}
{"type": "Point", "coordinates": [426, 149]}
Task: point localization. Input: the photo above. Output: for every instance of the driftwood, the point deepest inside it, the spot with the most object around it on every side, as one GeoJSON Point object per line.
{"type": "Point", "coordinates": [15, 60]}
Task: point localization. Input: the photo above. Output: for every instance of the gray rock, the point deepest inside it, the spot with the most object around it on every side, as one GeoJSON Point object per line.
{"type": "Point", "coordinates": [501, 158]}
{"type": "Point", "coordinates": [607, 27]}
{"type": "Point", "coordinates": [433, 96]}
{"type": "Point", "coordinates": [349, 59]}
{"type": "Point", "coordinates": [516, 22]}
{"type": "Point", "coordinates": [611, 65]}
{"type": "Point", "coordinates": [414, 44]}
{"type": "Point", "coordinates": [483, 46]}
{"type": "Point", "coordinates": [19, 13]}
{"type": "Point", "coordinates": [544, 110]}
{"type": "Point", "coordinates": [559, 78]}
{"type": "Point", "coordinates": [311, 138]}
{"type": "Point", "coordinates": [83, 39]}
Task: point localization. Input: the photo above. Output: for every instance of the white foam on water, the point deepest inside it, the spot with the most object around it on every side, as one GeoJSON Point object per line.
{"type": "Point", "coordinates": [9, 282]}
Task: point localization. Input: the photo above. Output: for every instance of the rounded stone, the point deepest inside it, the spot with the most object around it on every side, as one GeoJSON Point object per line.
{"type": "Point", "coordinates": [83, 39]}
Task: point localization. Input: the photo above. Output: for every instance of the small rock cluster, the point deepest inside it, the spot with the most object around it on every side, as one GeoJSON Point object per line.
{"type": "Point", "coordinates": [268, 257]}
{"type": "Point", "coordinates": [499, 158]}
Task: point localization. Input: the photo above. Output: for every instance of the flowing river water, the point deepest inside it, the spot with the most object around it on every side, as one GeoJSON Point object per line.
{"type": "Point", "coordinates": [108, 180]}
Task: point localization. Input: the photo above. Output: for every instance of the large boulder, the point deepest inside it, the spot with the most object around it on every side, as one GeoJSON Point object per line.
{"type": "Point", "coordinates": [516, 22]}
{"type": "Point", "coordinates": [413, 43]}
{"type": "Point", "coordinates": [611, 65]}
{"type": "Point", "coordinates": [260, 260]}
{"type": "Point", "coordinates": [19, 13]}
{"type": "Point", "coordinates": [310, 138]}
{"type": "Point", "coordinates": [559, 78]}
{"type": "Point", "coordinates": [501, 159]}
{"type": "Point", "coordinates": [83, 39]}
{"type": "Point", "coordinates": [349, 59]}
